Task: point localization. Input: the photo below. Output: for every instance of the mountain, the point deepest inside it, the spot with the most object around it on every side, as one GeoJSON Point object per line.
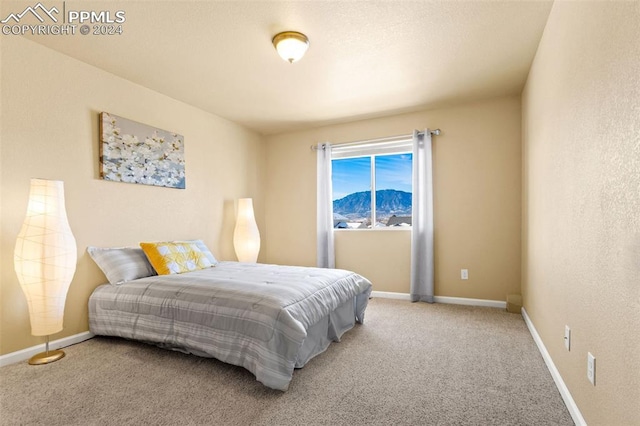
{"type": "Point", "coordinates": [388, 202]}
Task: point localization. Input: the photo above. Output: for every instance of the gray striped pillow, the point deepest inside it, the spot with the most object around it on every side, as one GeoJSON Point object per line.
{"type": "Point", "coordinates": [122, 264]}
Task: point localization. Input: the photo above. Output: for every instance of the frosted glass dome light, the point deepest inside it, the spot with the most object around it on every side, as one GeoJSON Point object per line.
{"type": "Point", "coordinates": [291, 45]}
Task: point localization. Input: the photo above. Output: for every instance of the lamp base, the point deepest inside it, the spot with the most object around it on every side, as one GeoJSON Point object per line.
{"type": "Point", "coordinates": [46, 357]}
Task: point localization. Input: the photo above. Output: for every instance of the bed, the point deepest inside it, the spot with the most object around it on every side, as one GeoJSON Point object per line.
{"type": "Point", "coordinates": [269, 319]}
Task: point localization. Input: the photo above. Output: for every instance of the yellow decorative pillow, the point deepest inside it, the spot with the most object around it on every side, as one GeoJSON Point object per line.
{"type": "Point", "coordinates": [175, 257]}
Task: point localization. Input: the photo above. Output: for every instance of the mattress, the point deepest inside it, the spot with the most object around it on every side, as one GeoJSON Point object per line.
{"type": "Point", "coordinates": [268, 319]}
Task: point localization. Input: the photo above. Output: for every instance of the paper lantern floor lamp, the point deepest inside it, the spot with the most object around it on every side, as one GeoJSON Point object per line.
{"type": "Point", "coordinates": [45, 259]}
{"type": "Point", "coordinates": [246, 236]}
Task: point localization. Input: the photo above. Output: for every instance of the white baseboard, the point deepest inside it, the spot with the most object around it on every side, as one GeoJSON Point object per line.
{"type": "Point", "coordinates": [24, 354]}
{"type": "Point", "coordinates": [390, 295]}
{"type": "Point", "coordinates": [444, 299]}
{"type": "Point", "coordinates": [557, 378]}
{"type": "Point", "coordinates": [471, 302]}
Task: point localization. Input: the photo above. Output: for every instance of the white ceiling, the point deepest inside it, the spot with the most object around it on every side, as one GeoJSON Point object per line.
{"type": "Point", "coordinates": [366, 58]}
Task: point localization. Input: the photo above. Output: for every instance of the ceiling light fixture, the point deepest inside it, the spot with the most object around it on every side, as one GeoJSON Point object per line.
{"type": "Point", "coordinates": [291, 45]}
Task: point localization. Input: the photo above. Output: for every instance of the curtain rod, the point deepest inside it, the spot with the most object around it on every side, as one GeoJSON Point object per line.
{"type": "Point", "coordinates": [435, 132]}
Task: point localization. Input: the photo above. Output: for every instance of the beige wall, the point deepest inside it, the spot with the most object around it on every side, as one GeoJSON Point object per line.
{"type": "Point", "coordinates": [477, 179]}
{"type": "Point", "coordinates": [581, 203]}
{"type": "Point", "coordinates": [384, 256]}
{"type": "Point", "coordinates": [50, 106]}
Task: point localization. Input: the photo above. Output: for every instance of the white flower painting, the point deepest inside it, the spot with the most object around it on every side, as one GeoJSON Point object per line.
{"type": "Point", "coordinates": [136, 153]}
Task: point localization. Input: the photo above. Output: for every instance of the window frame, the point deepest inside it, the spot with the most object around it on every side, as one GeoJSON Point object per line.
{"type": "Point", "coordinates": [398, 146]}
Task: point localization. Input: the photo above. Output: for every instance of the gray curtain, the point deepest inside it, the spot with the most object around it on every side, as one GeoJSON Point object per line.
{"type": "Point", "coordinates": [422, 263]}
{"type": "Point", "coordinates": [325, 248]}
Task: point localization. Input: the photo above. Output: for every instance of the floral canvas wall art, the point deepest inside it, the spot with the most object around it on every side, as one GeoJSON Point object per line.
{"type": "Point", "coordinates": [137, 153]}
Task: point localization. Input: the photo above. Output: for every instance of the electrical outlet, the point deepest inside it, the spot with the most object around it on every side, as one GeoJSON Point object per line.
{"type": "Point", "coordinates": [567, 337]}
{"type": "Point", "coordinates": [591, 368]}
{"type": "Point", "coordinates": [464, 274]}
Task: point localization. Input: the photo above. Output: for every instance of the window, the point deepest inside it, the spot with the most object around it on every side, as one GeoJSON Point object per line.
{"type": "Point", "coordinates": [372, 186]}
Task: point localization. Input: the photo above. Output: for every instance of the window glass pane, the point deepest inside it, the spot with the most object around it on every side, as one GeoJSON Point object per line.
{"type": "Point", "coordinates": [351, 180]}
{"type": "Point", "coordinates": [393, 189]}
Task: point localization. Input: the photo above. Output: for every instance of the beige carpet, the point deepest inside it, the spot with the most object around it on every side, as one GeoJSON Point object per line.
{"type": "Point", "coordinates": [409, 364]}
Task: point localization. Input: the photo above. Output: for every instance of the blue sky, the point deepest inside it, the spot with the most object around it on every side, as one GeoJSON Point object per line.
{"type": "Point", "coordinates": [354, 174]}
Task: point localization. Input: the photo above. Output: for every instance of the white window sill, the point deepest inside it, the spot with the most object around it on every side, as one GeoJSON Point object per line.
{"type": "Point", "coordinates": [385, 229]}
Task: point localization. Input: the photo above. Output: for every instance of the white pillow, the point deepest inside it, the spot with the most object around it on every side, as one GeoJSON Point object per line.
{"type": "Point", "coordinates": [122, 264]}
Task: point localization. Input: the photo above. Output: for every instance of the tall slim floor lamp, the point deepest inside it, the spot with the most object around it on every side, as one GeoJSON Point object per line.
{"type": "Point", "coordinates": [246, 236]}
{"type": "Point", "coordinates": [45, 261]}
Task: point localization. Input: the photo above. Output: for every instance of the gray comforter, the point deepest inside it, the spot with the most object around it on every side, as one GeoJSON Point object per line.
{"type": "Point", "coordinates": [252, 315]}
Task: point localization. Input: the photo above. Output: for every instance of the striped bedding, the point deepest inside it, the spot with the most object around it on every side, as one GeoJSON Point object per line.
{"type": "Point", "coordinates": [253, 315]}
